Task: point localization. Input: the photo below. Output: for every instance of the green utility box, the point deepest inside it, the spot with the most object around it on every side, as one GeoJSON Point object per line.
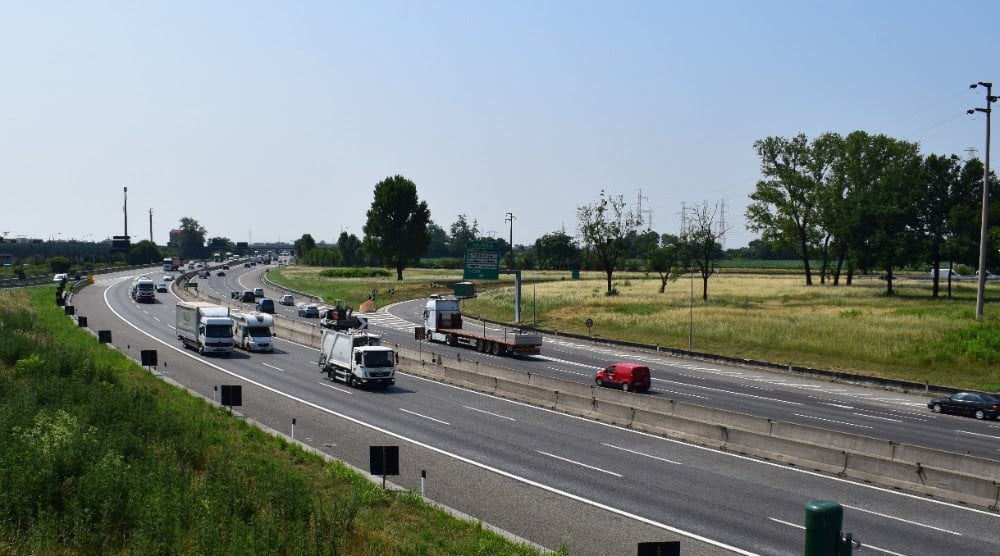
{"type": "Point", "coordinates": [465, 290]}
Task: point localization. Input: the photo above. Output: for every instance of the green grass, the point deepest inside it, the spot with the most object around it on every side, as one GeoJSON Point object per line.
{"type": "Point", "coordinates": [99, 456]}
{"type": "Point", "coordinates": [767, 317]}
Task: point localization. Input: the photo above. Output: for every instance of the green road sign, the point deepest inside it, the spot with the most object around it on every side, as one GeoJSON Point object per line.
{"type": "Point", "coordinates": [482, 260]}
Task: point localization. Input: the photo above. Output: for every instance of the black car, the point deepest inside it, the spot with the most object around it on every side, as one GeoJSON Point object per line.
{"type": "Point", "coordinates": [980, 406]}
{"type": "Point", "coordinates": [248, 296]}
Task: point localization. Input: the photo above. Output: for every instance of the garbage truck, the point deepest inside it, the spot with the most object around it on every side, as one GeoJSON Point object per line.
{"type": "Point", "coordinates": [357, 358]}
{"type": "Point", "coordinates": [252, 331]}
{"type": "Point", "coordinates": [205, 327]}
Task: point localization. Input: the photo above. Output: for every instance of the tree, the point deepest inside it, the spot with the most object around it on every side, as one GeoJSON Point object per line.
{"type": "Point", "coordinates": [438, 246]}
{"type": "Point", "coordinates": [699, 245]}
{"type": "Point", "coordinates": [939, 181]}
{"type": "Point", "coordinates": [462, 233]}
{"type": "Point", "coordinates": [882, 174]}
{"type": "Point", "coordinates": [785, 203]}
{"type": "Point", "coordinates": [191, 239]}
{"type": "Point", "coordinates": [304, 244]}
{"type": "Point", "coordinates": [351, 253]}
{"type": "Point", "coordinates": [662, 259]}
{"type": "Point", "coordinates": [604, 227]}
{"type": "Point", "coordinates": [557, 251]}
{"type": "Point", "coordinates": [144, 252]}
{"type": "Point", "coordinates": [396, 226]}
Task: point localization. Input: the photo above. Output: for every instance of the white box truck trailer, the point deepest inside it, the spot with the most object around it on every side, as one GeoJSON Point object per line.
{"type": "Point", "coordinates": [205, 327]}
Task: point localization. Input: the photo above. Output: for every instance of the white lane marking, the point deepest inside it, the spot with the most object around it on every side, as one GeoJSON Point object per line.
{"type": "Point", "coordinates": [907, 521]}
{"type": "Point", "coordinates": [650, 456]}
{"type": "Point", "coordinates": [869, 416]}
{"type": "Point", "coordinates": [425, 417]}
{"type": "Point", "coordinates": [837, 405]}
{"type": "Point", "coordinates": [489, 413]}
{"type": "Point", "coordinates": [337, 388]}
{"type": "Point", "coordinates": [788, 523]}
{"type": "Point", "coordinates": [612, 473]}
{"type": "Point", "coordinates": [863, 546]}
{"type": "Point", "coordinates": [273, 367]}
{"type": "Point", "coordinates": [730, 392]}
{"type": "Point", "coordinates": [832, 421]}
{"type": "Point", "coordinates": [977, 434]}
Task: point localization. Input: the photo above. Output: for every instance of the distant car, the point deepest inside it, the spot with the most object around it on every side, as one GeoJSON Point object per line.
{"type": "Point", "coordinates": [944, 273]}
{"type": "Point", "coordinates": [61, 277]}
{"type": "Point", "coordinates": [246, 265]}
{"type": "Point", "coordinates": [971, 404]}
{"type": "Point", "coordinates": [989, 275]}
{"type": "Point", "coordinates": [287, 299]}
{"type": "Point", "coordinates": [225, 267]}
{"type": "Point", "coordinates": [168, 277]}
{"type": "Point", "coordinates": [627, 376]}
{"type": "Point", "coordinates": [203, 273]}
{"type": "Point", "coordinates": [247, 296]}
{"type": "Point", "coordinates": [265, 305]}
{"type": "Point", "coordinates": [309, 310]}
{"type": "Point", "coordinates": [253, 263]}
{"type": "Point", "coordinates": [220, 273]}
{"type": "Point", "coordinates": [258, 292]}
{"type": "Point", "coordinates": [161, 287]}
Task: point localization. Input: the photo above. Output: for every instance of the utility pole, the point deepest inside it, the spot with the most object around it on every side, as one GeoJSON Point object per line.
{"type": "Point", "coordinates": [510, 256]}
{"type": "Point", "coordinates": [151, 225]}
{"type": "Point", "coordinates": [983, 234]}
{"type": "Point", "coordinates": [125, 211]}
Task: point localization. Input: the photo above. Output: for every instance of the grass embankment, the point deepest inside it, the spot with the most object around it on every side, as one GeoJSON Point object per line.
{"type": "Point", "coordinates": [775, 318]}
{"type": "Point", "coordinates": [99, 456]}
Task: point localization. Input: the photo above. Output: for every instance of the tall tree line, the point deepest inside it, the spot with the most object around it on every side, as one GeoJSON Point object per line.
{"type": "Point", "coordinates": [868, 203]}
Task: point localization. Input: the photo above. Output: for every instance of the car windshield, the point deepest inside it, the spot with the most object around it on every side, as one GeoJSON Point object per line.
{"type": "Point", "coordinates": [259, 332]}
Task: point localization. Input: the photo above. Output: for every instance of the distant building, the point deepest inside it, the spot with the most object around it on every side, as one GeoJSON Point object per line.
{"type": "Point", "coordinates": [6, 259]}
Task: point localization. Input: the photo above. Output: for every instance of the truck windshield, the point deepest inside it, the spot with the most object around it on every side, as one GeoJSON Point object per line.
{"type": "Point", "coordinates": [146, 287]}
{"type": "Point", "coordinates": [218, 331]}
{"type": "Point", "coordinates": [379, 359]}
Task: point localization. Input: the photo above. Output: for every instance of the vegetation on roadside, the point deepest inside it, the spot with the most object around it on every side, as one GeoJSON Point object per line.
{"type": "Point", "coordinates": [774, 318]}
{"type": "Point", "coordinates": [99, 456]}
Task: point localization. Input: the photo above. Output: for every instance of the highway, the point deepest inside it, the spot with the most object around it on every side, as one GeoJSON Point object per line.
{"type": "Point", "coordinates": [555, 479]}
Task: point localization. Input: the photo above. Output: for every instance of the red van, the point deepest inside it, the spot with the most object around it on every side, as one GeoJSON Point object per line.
{"type": "Point", "coordinates": [627, 376]}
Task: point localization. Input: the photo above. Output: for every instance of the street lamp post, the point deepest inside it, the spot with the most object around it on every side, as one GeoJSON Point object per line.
{"type": "Point", "coordinates": [510, 257]}
{"type": "Point", "coordinates": [983, 234]}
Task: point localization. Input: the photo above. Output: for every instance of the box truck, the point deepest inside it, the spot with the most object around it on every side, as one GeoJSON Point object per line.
{"type": "Point", "coordinates": [205, 327]}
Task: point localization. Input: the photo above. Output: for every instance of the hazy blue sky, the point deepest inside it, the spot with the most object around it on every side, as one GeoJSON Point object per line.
{"type": "Point", "coordinates": [267, 120]}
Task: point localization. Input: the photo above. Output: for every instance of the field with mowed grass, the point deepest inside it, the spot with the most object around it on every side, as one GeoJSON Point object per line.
{"type": "Point", "coordinates": [775, 318]}
{"type": "Point", "coordinates": [98, 456]}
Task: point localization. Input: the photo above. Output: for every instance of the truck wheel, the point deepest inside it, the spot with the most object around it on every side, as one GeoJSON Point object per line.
{"type": "Point", "coordinates": [452, 340]}
{"type": "Point", "coordinates": [201, 350]}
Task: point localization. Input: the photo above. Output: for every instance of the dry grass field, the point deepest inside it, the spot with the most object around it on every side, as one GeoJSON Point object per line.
{"type": "Point", "coordinates": [775, 318]}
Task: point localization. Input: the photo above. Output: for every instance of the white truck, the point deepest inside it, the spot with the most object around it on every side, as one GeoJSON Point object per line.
{"type": "Point", "coordinates": [252, 331]}
{"type": "Point", "coordinates": [143, 290]}
{"type": "Point", "coordinates": [443, 323]}
{"type": "Point", "coordinates": [357, 358]}
{"type": "Point", "coordinates": [205, 327]}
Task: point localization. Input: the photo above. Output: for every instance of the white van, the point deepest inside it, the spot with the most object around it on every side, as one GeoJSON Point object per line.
{"type": "Point", "coordinates": [944, 273]}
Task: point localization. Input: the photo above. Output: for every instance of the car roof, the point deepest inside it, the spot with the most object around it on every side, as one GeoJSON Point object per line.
{"type": "Point", "coordinates": [630, 365]}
